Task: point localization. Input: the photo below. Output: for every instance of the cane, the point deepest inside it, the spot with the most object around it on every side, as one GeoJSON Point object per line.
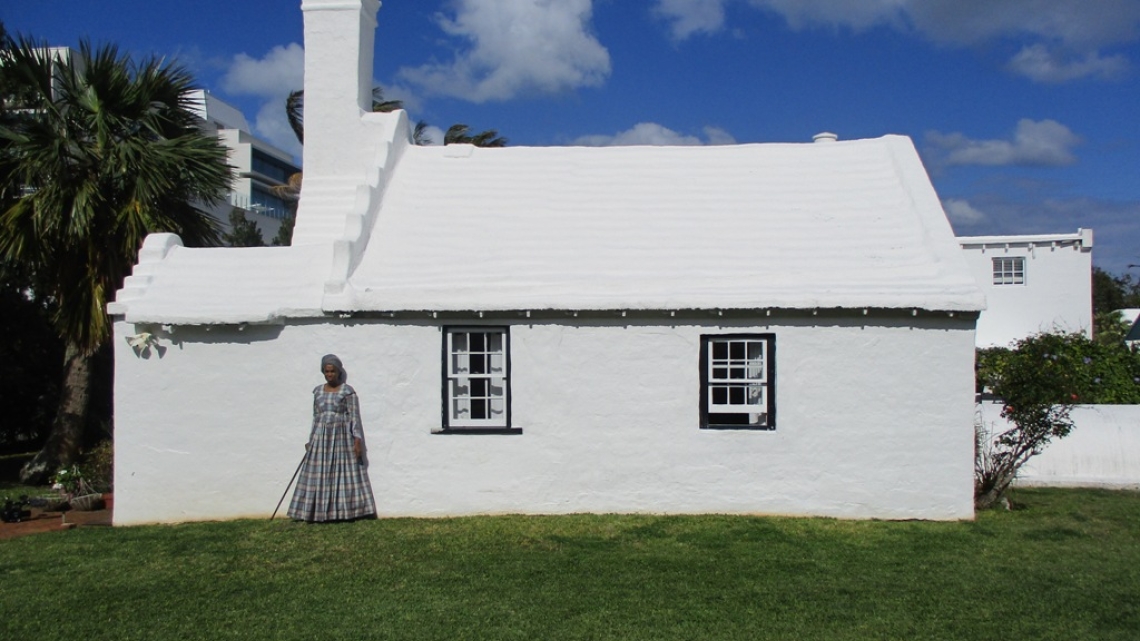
{"type": "Point", "coordinates": [290, 485]}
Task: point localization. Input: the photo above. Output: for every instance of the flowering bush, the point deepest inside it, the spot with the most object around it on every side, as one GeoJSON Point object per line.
{"type": "Point", "coordinates": [69, 481]}
{"type": "Point", "coordinates": [1038, 381]}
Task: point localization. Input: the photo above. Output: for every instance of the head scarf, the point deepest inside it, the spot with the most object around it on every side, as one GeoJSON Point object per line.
{"type": "Point", "coordinates": [331, 359]}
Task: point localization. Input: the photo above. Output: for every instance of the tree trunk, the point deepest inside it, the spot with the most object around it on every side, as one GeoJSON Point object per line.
{"type": "Point", "coordinates": [62, 446]}
{"type": "Point", "coordinates": [986, 499]}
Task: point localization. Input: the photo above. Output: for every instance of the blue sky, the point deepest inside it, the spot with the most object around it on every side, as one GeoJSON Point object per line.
{"type": "Point", "coordinates": [1026, 112]}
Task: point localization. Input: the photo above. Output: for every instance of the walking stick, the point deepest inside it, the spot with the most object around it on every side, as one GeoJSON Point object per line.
{"type": "Point", "coordinates": [290, 485]}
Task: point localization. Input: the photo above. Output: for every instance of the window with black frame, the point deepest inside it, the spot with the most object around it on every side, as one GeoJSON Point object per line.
{"type": "Point", "coordinates": [476, 378]}
{"type": "Point", "coordinates": [738, 378]}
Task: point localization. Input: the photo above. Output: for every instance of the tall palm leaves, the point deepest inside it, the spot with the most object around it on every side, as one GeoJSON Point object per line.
{"type": "Point", "coordinates": [95, 153]}
{"type": "Point", "coordinates": [461, 134]}
{"type": "Point", "coordinates": [102, 152]}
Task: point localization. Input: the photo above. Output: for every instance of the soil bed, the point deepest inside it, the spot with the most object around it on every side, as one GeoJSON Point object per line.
{"type": "Point", "coordinates": [42, 521]}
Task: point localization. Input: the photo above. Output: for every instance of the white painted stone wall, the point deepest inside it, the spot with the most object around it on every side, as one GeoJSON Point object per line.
{"type": "Point", "coordinates": [1056, 295]}
{"type": "Point", "coordinates": [874, 420]}
{"type": "Point", "coordinates": [1103, 450]}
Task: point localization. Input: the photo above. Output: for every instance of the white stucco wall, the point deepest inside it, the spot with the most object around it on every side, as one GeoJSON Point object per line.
{"type": "Point", "coordinates": [1103, 450]}
{"type": "Point", "coordinates": [874, 419]}
{"type": "Point", "coordinates": [1056, 295]}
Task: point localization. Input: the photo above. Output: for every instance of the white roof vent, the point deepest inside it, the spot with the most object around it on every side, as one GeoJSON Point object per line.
{"type": "Point", "coordinates": [825, 136]}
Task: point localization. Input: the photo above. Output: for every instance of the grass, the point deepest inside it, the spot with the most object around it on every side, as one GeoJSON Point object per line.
{"type": "Point", "coordinates": [1066, 565]}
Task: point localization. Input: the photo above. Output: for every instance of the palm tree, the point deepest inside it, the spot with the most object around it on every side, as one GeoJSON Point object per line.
{"type": "Point", "coordinates": [95, 153]}
{"type": "Point", "coordinates": [461, 134]}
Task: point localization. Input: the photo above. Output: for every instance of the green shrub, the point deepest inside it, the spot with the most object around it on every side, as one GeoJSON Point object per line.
{"type": "Point", "coordinates": [98, 466]}
{"type": "Point", "coordinates": [1038, 381]}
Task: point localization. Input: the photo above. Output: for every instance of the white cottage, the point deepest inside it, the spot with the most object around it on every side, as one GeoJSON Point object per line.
{"type": "Point", "coordinates": [765, 328]}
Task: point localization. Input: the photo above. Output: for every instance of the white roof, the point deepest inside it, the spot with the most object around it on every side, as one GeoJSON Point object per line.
{"type": "Point", "coordinates": [841, 224]}
{"type": "Point", "coordinates": [852, 224]}
{"type": "Point", "coordinates": [173, 284]}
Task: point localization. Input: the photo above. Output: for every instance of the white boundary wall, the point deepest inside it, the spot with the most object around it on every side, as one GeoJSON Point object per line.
{"type": "Point", "coordinates": [1103, 450]}
{"type": "Point", "coordinates": [874, 420]}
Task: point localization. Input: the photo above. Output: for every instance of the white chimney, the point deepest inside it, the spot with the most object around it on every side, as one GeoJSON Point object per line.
{"type": "Point", "coordinates": [339, 37]}
{"type": "Point", "coordinates": [825, 136]}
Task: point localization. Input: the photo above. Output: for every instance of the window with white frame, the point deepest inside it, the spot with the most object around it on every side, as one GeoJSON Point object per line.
{"type": "Point", "coordinates": [476, 375]}
{"type": "Point", "coordinates": [1009, 271]}
{"type": "Point", "coordinates": [738, 381]}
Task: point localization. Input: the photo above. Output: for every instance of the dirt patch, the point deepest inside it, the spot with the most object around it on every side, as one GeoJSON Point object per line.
{"type": "Point", "coordinates": [42, 521]}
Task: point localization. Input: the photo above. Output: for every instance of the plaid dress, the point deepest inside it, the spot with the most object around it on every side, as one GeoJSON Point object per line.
{"type": "Point", "coordinates": [333, 485]}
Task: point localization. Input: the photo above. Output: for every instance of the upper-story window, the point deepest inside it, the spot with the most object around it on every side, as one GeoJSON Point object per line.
{"type": "Point", "coordinates": [738, 381]}
{"type": "Point", "coordinates": [476, 378]}
{"type": "Point", "coordinates": [271, 167]}
{"type": "Point", "coordinates": [1009, 271]}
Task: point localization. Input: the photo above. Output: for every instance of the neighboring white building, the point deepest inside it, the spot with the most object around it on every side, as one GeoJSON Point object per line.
{"type": "Point", "coordinates": [765, 328]}
{"type": "Point", "coordinates": [1032, 283]}
{"type": "Point", "coordinates": [258, 166]}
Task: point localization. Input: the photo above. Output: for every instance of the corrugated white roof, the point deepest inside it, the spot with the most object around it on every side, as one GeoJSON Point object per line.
{"type": "Point", "coordinates": [843, 224]}
{"type": "Point", "coordinates": [852, 224]}
{"type": "Point", "coordinates": [198, 286]}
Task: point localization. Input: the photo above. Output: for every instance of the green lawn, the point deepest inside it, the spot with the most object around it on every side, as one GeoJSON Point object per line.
{"type": "Point", "coordinates": [1065, 565]}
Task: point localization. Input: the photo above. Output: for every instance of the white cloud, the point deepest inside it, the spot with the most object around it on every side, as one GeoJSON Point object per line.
{"type": "Point", "coordinates": [1084, 24]}
{"type": "Point", "coordinates": [688, 17]}
{"type": "Point", "coordinates": [1044, 142]}
{"type": "Point", "coordinates": [272, 125]}
{"type": "Point", "coordinates": [1042, 65]}
{"type": "Point", "coordinates": [836, 13]}
{"type": "Point", "coordinates": [281, 70]}
{"type": "Point", "coordinates": [1066, 35]}
{"type": "Point", "coordinates": [650, 133]}
{"type": "Point", "coordinates": [515, 47]}
{"type": "Point", "coordinates": [718, 136]}
{"type": "Point", "coordinates": [269, 78]}
{"type": "Point", "coordinates": [962, 212]}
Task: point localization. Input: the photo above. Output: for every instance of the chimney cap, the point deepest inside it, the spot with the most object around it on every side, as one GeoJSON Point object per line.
{"type": "Point", "coordinates": [825, 136]}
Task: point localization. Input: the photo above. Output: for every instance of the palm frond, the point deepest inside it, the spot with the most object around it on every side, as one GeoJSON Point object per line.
{"type": "Point", "coordinates": [96, 153]}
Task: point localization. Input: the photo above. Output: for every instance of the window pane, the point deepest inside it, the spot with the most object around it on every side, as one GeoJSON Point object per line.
{"type": "Point", "coordinates": [720, 373]}
{"type": "Point", "coordinates": [477, 341]}
{"type": "Point", "coordinates": [757, 419]}
{"type": "Point", "coordinates": [458, 342]}
{"type": "Point", "coordinates": [755, 395]}
{"type": "Point", "coordinates": [460, 387]}
{"type": "Point", "coordinates": [736, 395]}
{"type": "Point", "coordinates": [460, 409]}
{"type": "Point", "coordinates": [737, 373]}
{"type": "Point", "coordinates": [478, 409]}
{"type": "Point", "coordinates": [720, 395]}
{"type": "Point", "coordinates": [496, 363]}
{"type": "Point", "coordinates": [460, 364]}
{"type": "Point", "coordinates": [478, 387]}
{"type": "Point", "coordinates": [720, 350]}
{"type": "Point", "coordinates": [494, 342]}
{"type": "Point", "coordinates": [737, 351]}
{"type": "Point", "coordinates": [755, 351]}
{"type": "Point", "coordinates": [478, 364]}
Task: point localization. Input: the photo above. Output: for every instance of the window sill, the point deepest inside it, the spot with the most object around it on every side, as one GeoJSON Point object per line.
{"type": "Point", "coordinates": [478, 430]}
{"type": "Point", "coordinates": [746, 428]}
